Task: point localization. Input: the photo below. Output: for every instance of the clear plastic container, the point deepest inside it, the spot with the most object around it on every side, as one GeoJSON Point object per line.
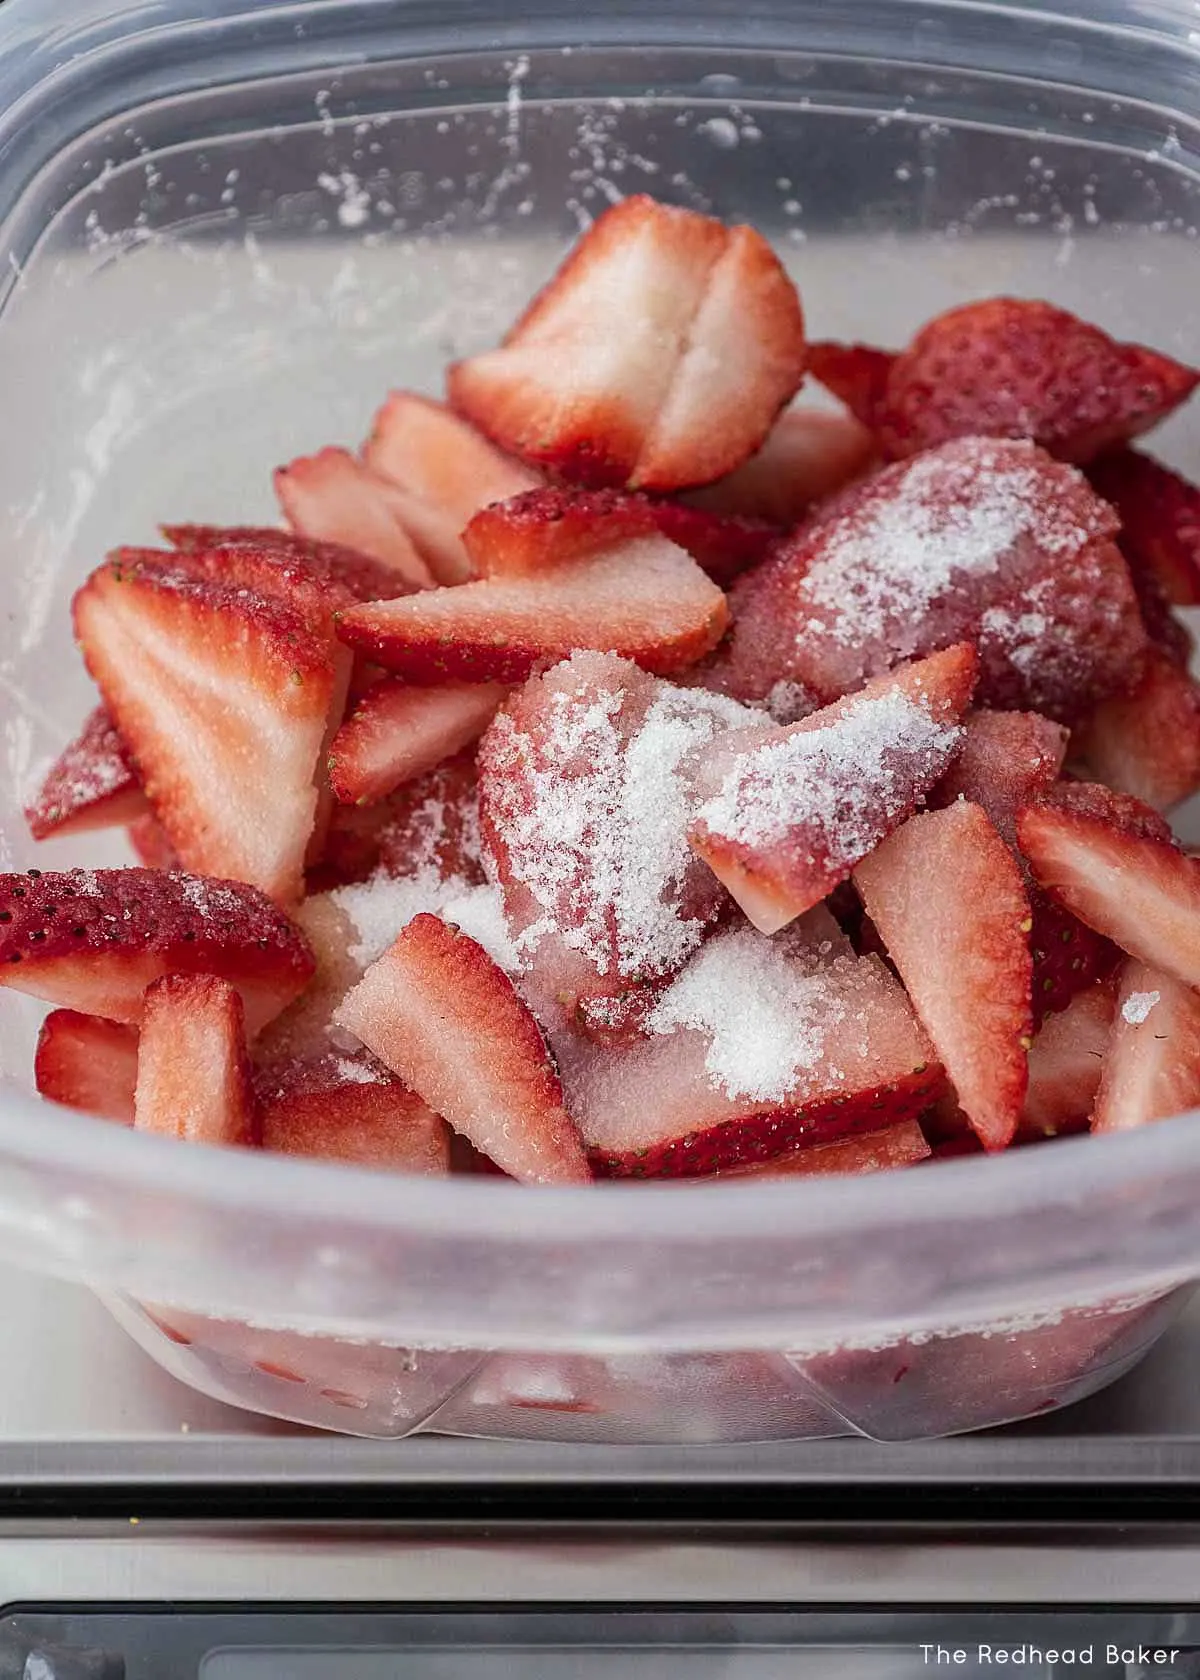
{"type": "Point", "coordinates": [225, 230]}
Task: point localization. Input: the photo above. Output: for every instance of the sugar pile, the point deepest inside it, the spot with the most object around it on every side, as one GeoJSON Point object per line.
{"type": "Point", "coordinates": [1138, 1005]}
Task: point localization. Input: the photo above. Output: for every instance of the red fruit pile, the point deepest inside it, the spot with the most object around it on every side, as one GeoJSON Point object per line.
{"type": "Point", "coordinates": [618, 771]}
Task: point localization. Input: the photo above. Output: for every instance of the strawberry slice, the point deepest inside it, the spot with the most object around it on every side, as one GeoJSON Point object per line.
{"type": "Point", "coordinates": [438, 1011]}
{"type": "Point", "coordinates": [1065, 1060]}
{"type": "Point", "coordinates": [193, 1075]}
{"type": "Point", "coordinates": [897, 1146]}
{"type": "Point", "coordinates": [331, 497]}
{"type": "Point", "coordinates": [1112, 862]}
{"type": "Point", "coordinates": [808, 454]}
{"type": "Point", "coordinates": [92, 784]}
{"type": "Point", "coordinates": [856, 374]}
{"type": "Point", "coordinates": [1160, 520]}
{"type": "Point", "coordinates": [87, 1063]}
{"type": "Point", "coordinates": [353, 576]}
{"type": "Point", "coordinates": [757, 1046]}
{"type": "Point", "coordinates": [787, 813]}
{"type": "Point", "coordinates": [658, 356]}
{"type": "Point", "coordinates": [349, 1108]}
{"type": "Point", "coordinates": [1005, 760]}
{"type": "Point", "coordinates": [1148, 743]}
{"type": "Point", "coordinates": [1018, 367]}
{"type": "Point", "coordinates": [224, 697]}
{"type": "Point", "coordinates": [150, 844]}
{"type": "Point", "coordinates": [1152, 1069]}
{"type": "Point", "coordinates": [1068, 956]}
{"type": "Point", "coordinates": [398, 732]}
{"type": "Point", "coordinates": [641, 597]}
{"type": "Point", "coordinates": [425, 448]}
{"type": "Point", "coordinates": [94, 939]}
{"type": "Point", "coordinates": [981, 540]}
{"type": "Point", "coordinates": [947, 897]}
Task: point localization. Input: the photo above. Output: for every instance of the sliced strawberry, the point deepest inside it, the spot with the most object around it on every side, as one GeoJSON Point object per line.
{"type": "Point", "coordinates": [658, 356]}
{"type": "Point", "coordinates": [618, 1018]}
{"type": "Point", "coordinates": [808, 454]}
{"type": "Point", "coordinates": [1152, 1069]}
{"type": "Point", "coordinates": [224, 697]}
{"type": "Point", "coordinates": [88, 1063]}
{"type": "Point", "coordinates": [786, 813]}
{"type": "Point", "coordinates": [92, 784]}
{"type": "Point", "coordinates": [437, 1011]}
{"type": "Point", "coordinates": [1112, 862]}
{"type": "Point", "coordinates": [1068, 956]}
{"type": "Point", "coordinates": [1065, 1060]}
{"type": "Point", "coordinates": [947, 896]}
{"type": "Point", "coordinates": [759, 1045]}
{"type": "Point", "coordinates": [857, 375]}
{"type": "Point", "coordinates": [150, 844]}
{"type": "Point", "coordinates": [897, 1146]}
{"type": "Point", "coordinates": [981, 540]}
{"type": "Point", "coordinates": [1165, 630]}
{"type": "Point", "coordinates": [544, 528]}
{"type": "Point", "coordinates": [193, 1075]}
{"type": "Point", "coordinates": [425, 448]}
{"type": "Point", "coordinates": [1005, 760]}
{"type": "Point", "coordinates": [1148, 743]}
{"type": "Point", "coordinates": [349, 1108]}
{"type": "Point", "coordinates": [1160, 520]}
{"type": "Point", "coordinates": [398, 732]}
{"type": "Point", "coordinates": [643, 598]}
{"type": "Point", "coordinates": [331, 497]}
{"type": "Point", "coordinates": [1018, 367]}
{"type": "Point", "coordinates": [356, 576]}
{"type": "Point", "coordinates": [433, 823]}
{"type": "Point", "coordinates": [723, 545]}
{"type": "Point", "coordinates": [94, 939]}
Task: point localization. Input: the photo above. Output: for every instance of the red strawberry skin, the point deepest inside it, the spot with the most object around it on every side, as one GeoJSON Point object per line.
{"type": "Point", "coordinates": [1147, 743]}
{"type": "Point", "coordinates": [1160, 520]}
{"type": "Point", "coordinates": [856, 374]}
{"type": "Point", "coordinates": [193, 1080]}
{"type": "Point", "coordinates": [896, 1146]}
{"type": "Point", "coordinates": [356, 576]}
{"type": "Point", "coordinates": [93, 940]}
{"type": "Point", "coordinates": [1152, 1066]}
{"type": "Point", "coordinates": [398, 732]}
{"type": "Point", "coordinates": [723, 545]}
{"type": "Point", "coordinates": [347, 1108]}
{"type": "Point", "coordinates": [87, 1063]}
{"type": "Point", "coordinates": [92, 784]}
{"type": "Point", "coordinates": [1068, 956]}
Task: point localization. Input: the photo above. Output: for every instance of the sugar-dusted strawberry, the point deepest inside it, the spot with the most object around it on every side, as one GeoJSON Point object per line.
{"type": "Point", "coordinates": [1160, 519]}
{"type": "Point", "coordinates": [723, 545]}
{"type": "Point", "coordinates": [1068, 956]}
{"type": "Point", "coordinates": [903, 1145]}
{"type": "Point", "coordinates": [1147, 743]}
{"type": "Point", "coordinates": [1152, 1067]}
{"type": "Point", "coordinates": [784, 814]}
{"type": "Point", "coordinates": [981, 540]}
{"type": "Point", "coordinates": [349, 1107]}
{"type": "Point", "coordinates": [1018, 367]}
{"type": "Point", "coordinates": [398, 731]}
{"type": "Point", "coordinates": [428, 450]}
{"type": "Point", "coordinates": [85, 1062]}
{"type": "Point", "coordinates": [438, 1011]}
{"type": "Point", "coordinates": [642, 597]}
{"type": "Point", "coordinates": [193, 1074]}
{"type": "Point", "coordinates": [355, 576]}
{"type": "Point", "coordinates": [857, 375]}
{"type": "Point", "coordinates": [808, 455]}
{"type": "Point", "coordinates": [433, 823]}
{"type": "Point", "coordinates": [94, 939]}
{"type": "Point", "coordinates": [658, 356]}
{"type": "Point", "coordinates": [331, 497]}
{"type": "Point", "coordinates": [543, 528]}
{"type": "Point", "coordinates": [618, 1017]}
{"type": "Point", "coordinates": [150, 844]}
{"type": "Point", "coordinates": [1112, 862]}
{"type": "Point", "coordinates": [91, 784]}
{"type": "Point", "coordinates": [1065, 1060]}
{"type": "Point", "coordinates": [757, 1046]}
{"type": "Point", "coordinates": [223, 696]}
{"type": "Point", "coordinates": [1005, 760]}
{"type": "Point", "coordinates": [947, 897]}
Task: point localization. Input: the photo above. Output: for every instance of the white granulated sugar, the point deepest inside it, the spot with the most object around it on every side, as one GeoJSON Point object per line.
{"type": "Point", "coordinates": [86, 882]}
{"type": "Point", "coordinates": [379, 908]}
{"type": "Point", "coordinates": [788, 702]}
{"type": "Point", "coordinates": [765, 1013]}
{"type": "Point", "coordinates": [479, 912]}
{"type": "Point", "coordinates": [840, 782]}
{"type": "Point", "coordinates": [359, 1072]}
{"type": "Point", "coordinates": [1137, 1006]}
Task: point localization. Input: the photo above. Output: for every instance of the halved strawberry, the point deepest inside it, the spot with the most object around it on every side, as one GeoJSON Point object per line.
{"type": "Point", "coordinates": [658, 356]}
{"type": "Point", "coordinates": [981, 540]}
{"type": "Point", "coordinates": [1148, 743]}
{"type": "Point", "coordinates": [94, 939]}
{"type": "Point", "coordinates": [428, 450]}
{"type": "Point", "coordinates": [223, 696]}
{"type": "Point", "coordinates": [786, 813]}
{"type": "Point", "coordinates": [1113, 863]}
{"type": "Point", "coordinates": [398, 732]}
{"type": "Point", "coordinates": [1068, 956]}
{"type": "Point", "coordinates": [331, 497]}
{"type": "Point", "coordinates": [1019, 367]}
{"type": "Point", "coordinates": [643, 598]}
{"type": "Point", "coordinates": [1065, 1060]}
{"type": "Point", "coordinates": [1152, 1069]}
{"type": "Point", "coordinates": [150, 844]}
{"type": "Point", "coordinates": [193, 1075]}
{"type": "Point", "coordinates": [91, 784]}
{"type": "Point", "coordinates": [947, 897]}
{"type": "Point", "coordinates": [87, 1063]}
{"type": "Point", "coordinates": [903, 1145]}
{"type": "Point", "coordinates": [1005, 760]}
{"type": "Point", "coordinates": [1160, 519]}
{"type": "Point", "coordinates": [346, 1107]}
{"type": "Point", "coordinates": [856, 374]}
{"type": "Point", "coordinates": [808, 455]}
{"type": "Point", "coordinates": [438, 1011]}
{"type": "Point", "coordinates": [356, 576]}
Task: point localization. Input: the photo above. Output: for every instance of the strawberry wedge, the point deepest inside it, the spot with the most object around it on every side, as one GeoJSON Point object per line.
{"type": "Point", "coordinates": [437, 1011]}
{"type": "Point", "coordinates": [1152, 1068]}
{"type": "Point", "coordinates": [340, 1107]}
{"type": "Point", "coordinates": [355, 576]}
{"type": "Point", "coordinates": [425, 448]}
{"type": "Point", "coordinates": [947, 897]}
{"type": "Point", "coordinates": [1160, 520]}
{"type": "Point", "coordinates": [332, 497]}
{"type": "Point", "coordinates": [1065, 1063]}
{"type": "Point", "coordinates": [1114, 864]}
{"type": "Point", "coordinates": [87, 1063]}
{"type": "Point", "coordinates": [398, 732]}
{"type": "Point", "coordinates": [786, 813]}
{"type": "Point", "coordinates": [92, 784]}
{"type": "Point", "coordinates": [1148, 743]}
{"type": "Point", "coordinates": [193, 1075]}
{"type": "Point", "coordinates": [94, 939]}
{"type": "Point", "coordinates": [808, 455]}
{"type": "Point", "coordinates": [1005, 760]}
{"type": "Point", "coordinates": [856, 374]}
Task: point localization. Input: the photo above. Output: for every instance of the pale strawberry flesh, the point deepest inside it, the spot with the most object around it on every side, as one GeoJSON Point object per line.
{"type": "Point", "coordinates": [1152, 1066]}
{"type": "Point", "coordinates": [808, 454]}
{"type": "Point", "coordinates": [1065, 1063]}
{"type": "Point", "coordinates": [428, 450]}
{"type": "Point", "coordinates": [1148, 743]}
{"type": "Point", "coordinates": [348, 1107]}
{"type": "Point", "coordinates": [87, 1063]}
{"type": "Point", "coordinates": [398, 732]}
{"type": "Point", "coordinates": [193, 1075]}
{"type": "Point", "coordinates": [92, 784]}
{"type": "Point", "coordinates": [331, 497]}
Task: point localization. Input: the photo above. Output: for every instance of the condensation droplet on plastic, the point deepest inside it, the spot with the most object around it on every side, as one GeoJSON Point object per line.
{"type": "Point", "coordinates": [721, 131]}
{"type": "Point", "coordinates": [721, 84]}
